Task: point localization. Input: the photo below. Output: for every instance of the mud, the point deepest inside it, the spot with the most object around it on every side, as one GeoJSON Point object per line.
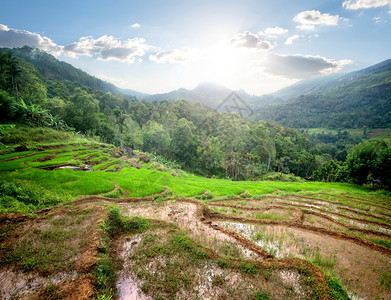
{"type": "Point", "coordinates": [14, 283]}
{"type": "Point", "coordinates": [369, 203]}
{"type": "Point", "coordinates": [187, 216]}
{"type": "Point", "coordinates": [360, 269]}
{"type": "Point", "coordinates": [128, 286]}
{"type": "Point", "coordinates": [207, 227]}
{"type": "Point", "coordinates": [383, 229]}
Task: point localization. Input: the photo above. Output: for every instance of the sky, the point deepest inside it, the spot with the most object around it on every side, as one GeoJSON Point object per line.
{"type": "Point", "coordinates": [159, 46]}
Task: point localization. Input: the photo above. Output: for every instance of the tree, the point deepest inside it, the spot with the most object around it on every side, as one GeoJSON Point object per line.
{"type": "Point", "coordinates": [184, 142]}
{"type": "Point", "coordinates": [209, 155]}
{"type": "Point", "coordinates": [156, 139]}
{"type": "Point", "coordinates": [81, 111]}
{"type": "Point", "coordinates": [383, 167]}
{"type": "Point", "coordinates": [362, 162]}
{"type": "Point", "coordinates": [265, 144]}
{"type": "Point", "coordinates": [14, 72]}
{"type": "Point", "coordinates": [120, 121]}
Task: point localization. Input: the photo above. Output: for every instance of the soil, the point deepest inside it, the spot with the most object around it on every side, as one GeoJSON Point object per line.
{"type": "Point", "coordinates": [359, 262]}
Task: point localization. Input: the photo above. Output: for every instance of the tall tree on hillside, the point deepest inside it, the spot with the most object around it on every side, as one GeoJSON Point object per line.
{"type": "Point", "coordinates": [266, 144]}
{"type": "Point", "coordinates": [14, 72]}
{"type": "Point", "coordinates": [120, 121]}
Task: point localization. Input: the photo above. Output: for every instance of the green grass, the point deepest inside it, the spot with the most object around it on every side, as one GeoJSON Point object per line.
{"type": "Point", "coordinates": [15, 154]}
{"type": "Point", "coordinates": [143, 182]}
{"type": "Point", "coordinates": [68, 184]}
{"type": "Point", "coordinates": [385, 243]}
{"type": "Point", "coordinates": [99, 166]}
{"type": "Point", "coordinates": [33, 137]}
{"type": "Point", "coordinates": [336, 291]}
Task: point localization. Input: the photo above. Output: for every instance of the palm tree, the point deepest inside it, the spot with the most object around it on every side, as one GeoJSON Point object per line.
{"type": "Point", "coordinates": [35, 114]}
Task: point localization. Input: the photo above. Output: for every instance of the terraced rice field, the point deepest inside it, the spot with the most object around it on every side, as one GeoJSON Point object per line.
{"type": "Point", "coordinates": [200, 238]}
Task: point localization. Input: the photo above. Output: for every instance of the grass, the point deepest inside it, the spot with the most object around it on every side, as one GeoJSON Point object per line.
{"type": "Point", "coordinates": [15, 154]}
{"type": "Point", "coordinates": [102, 165]}
{"type": "Point", "coordinates": [26, 196]}
{"type": "Point", "coordinates": [385, 280]}
{"type": "Point", "coordinates": [385, 243]}
{"type": "Point", "coordinates": [51, 248]}
{"type": "Point", "coordinates": [33, 137]}
{"type": "Point", "coordinates": [336, 291]}
{"type": "Point", "coordinates": [137, 182]}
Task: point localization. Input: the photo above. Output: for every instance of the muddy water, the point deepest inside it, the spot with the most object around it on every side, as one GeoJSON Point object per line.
{"type": "Point", "coordinates": [360, 269]}
{"type": "Point", "coordinates": [184, 215]}
{"type": "Point", "coordinates": [129, 288]}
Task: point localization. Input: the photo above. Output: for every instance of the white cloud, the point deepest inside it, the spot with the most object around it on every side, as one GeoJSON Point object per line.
{"type": "Point", "coordinates": [272, 32]}
{"type": "Point", "coordinates": [310, 18]}
{"type": "Point", "coordinates": [108, 48]}
{"type": "Point", "coordinates": [13, 38]}
{"type": "Point", "coordinates": [103, 48]}
{"type": "Point", "coordinates": [300, 66]}
{"type": "Point", "coordinates": [306, 27]}
{"type": "Point", "coordinates": [169, 56]}
{"type": "Point", "coordinates": [362, 4]}
{"type": "Point", "coordinates": [250, 41]}
{"type": "Point", "coordinates": [376, 19]}
{"type": "Point", "coordinates": [289, 40]}
{"type": "Point", "coordinates": [4, 27]}
{"type": "Point", "coordinates": [135, 25]}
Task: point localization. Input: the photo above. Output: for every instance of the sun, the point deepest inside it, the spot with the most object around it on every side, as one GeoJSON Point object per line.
{"type": "Point", "coordinates": [221, 64]}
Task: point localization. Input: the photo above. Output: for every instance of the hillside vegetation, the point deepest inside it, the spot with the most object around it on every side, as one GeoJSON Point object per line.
{"type": "Point", "coordinates": [358, 99]}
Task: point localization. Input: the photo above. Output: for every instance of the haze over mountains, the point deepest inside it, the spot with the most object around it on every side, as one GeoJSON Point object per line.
{"type": "Point", "coordinates": [360, 98]}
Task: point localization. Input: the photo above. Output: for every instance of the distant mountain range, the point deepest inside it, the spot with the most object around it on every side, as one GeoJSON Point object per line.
{"type": "Point", "coordinates": [207, 93]}
{"type": "Point", "coordinates": [360, 98]}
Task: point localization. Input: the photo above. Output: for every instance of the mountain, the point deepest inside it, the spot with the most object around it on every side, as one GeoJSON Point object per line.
{"type": "Point", "coordinates": [134, 93]}
{"type": "Point", "coordinates": [206, 93]}
{"type": "Point", "coordinates": [215, 95]}
{"type": "Point", "coordinates": [308, 86]}
{"type": "Point", "coordinates": [361, 98]}
{"type": "Point", "coordinates": [323, 83]}
{"type": "Point", "coordinates": [51, 68]}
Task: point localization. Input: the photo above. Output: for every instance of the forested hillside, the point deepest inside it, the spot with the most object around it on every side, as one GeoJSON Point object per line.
{"type": "Point", "coordinates": [358, 99]}
{"type": "Point", "coordinates": [192, 136]}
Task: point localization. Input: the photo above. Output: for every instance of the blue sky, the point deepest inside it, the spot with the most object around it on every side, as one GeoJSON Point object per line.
{"type": "Point", "coordinates": [159, 46]}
